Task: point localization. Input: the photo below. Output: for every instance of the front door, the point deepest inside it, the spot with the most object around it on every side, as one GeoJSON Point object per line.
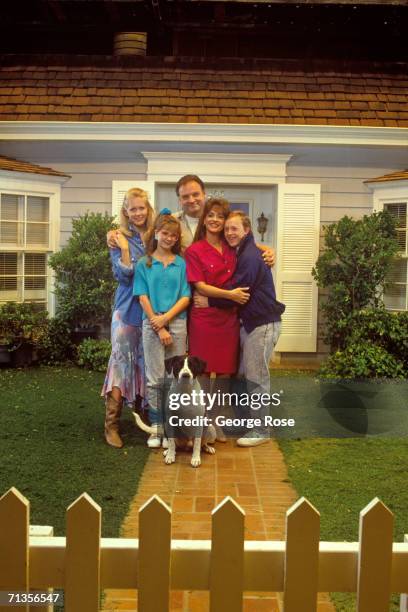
{"type": "Point", "coordinates": [253, 200]}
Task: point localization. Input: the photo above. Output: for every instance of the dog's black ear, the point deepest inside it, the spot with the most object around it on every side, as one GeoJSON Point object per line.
{"type": "Point", "coordinates": [171, 362]}
{"type": "Point", "coordinates": [198, 365]}
{"type": "Point", "coordinates": [168, 363]}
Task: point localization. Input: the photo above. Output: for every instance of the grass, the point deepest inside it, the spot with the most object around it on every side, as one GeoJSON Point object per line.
{"type": "Point", "coordinates": [53, 449]}
{"type": "Point", "coordinates": [340, 477]}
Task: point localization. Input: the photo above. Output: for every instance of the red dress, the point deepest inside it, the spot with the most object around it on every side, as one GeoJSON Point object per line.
{"type": "Point", "coordinates": [213, 333]}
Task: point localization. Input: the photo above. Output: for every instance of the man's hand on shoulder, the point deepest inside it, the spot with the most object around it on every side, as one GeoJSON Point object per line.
{"type": "Point", "coordinates": [269, 257]}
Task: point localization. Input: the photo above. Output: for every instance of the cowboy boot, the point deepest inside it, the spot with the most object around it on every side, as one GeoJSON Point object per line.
{"type": "Point", "coordinates": [112, 416]}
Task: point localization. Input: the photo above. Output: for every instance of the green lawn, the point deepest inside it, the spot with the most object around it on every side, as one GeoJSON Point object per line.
{"type": "Point", "coordinates": [340, 477]}
{"type": "Point", "coordinates": [53, 449]}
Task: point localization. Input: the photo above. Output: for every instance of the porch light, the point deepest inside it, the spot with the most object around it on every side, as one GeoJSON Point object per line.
{"type": "Point", "coordinates": [262, 225]}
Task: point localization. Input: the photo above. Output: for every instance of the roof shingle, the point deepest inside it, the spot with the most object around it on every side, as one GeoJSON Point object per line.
{"type": "Point", "coordinates": [16, 165]}
{"type": "Point", "coordinates": [266, 93]}
{"type": "Point", "coordinates": [401, 175]}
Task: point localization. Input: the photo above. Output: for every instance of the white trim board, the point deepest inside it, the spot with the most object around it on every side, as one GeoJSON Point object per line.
{"type": "Point", "coordinates": [33, 177]}
{"type": "Point", "coordinates": [206, 132]}
{"type": "Point", "coordinates": [226, 168]}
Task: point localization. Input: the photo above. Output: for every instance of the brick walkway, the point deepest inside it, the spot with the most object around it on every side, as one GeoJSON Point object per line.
{"type": "Point", "coordinates": [256, 478]}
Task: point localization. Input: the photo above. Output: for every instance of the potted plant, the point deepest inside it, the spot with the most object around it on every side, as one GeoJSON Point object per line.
{"type": "Point", "coordinates": [6, 336]}
{"type": "Point", "coordinates": [84, 284]}
{"type": "Point", "coordinates": [22, 329]}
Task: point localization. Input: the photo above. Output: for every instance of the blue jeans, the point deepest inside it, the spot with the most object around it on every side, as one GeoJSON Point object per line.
{"type": "Point", "coordinates": [155, 354]}
{"type": "Point", "coordinates": [256, 352]}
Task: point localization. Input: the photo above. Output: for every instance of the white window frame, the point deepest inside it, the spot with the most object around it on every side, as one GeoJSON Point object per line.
{"type": "Point", "coordinates": [29, 184]}
{"type": "Point", "coordinates": [392, 192]}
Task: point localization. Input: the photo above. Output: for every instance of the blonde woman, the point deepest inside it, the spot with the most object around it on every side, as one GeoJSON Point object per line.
{"type": "Point", "coordinates": [125, 378]}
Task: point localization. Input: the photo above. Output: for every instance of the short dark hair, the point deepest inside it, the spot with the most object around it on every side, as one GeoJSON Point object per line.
{"type": "Point", "coordinates": [188, 178]}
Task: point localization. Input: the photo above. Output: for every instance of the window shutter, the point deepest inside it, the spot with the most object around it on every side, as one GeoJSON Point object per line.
{"type": "Point", "coordinates": [119, 188]}
{"type": "Point", "coordinates": [297, 251]}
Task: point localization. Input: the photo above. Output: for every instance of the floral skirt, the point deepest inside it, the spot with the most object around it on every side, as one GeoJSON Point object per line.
{"type": "Point", "coordinates": [126, 368]}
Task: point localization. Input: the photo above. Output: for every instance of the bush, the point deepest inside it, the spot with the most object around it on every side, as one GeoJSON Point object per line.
{"type": "Point", "coordinates": [377, 347]}
{"type": "Point", "coordinates": [362, 360]}
{"type": "Point", "coordinates": [94, 354]}
{"type": "Point", "coordinates": [383, 328]}
{"type": "Point", "coordinates": [22, 323]}
{"type": "Point", "coordinates": [354, 266]}
{"type": "Point", "coordinates": [55, 346]}
{"type": "Point", "coordinates": [84, 284]}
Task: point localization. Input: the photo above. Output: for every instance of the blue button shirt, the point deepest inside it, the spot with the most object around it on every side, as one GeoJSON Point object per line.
{"type": "Point", "coordinates": [164, 286]}
{"type": "Point", "coordinates": [127, 304]}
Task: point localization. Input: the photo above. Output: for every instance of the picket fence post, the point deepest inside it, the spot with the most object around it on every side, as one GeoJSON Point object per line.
{"type": "Point", "coordinates": [375, 558]}
{"type": "Point", "coordinates": [299, 567]}
{"type": "Point", "coordinates": [227, 557]}
{"type": "Point", "coordinates": [302, 557]}
{"type": "Point", "coordinates": [82, 566]}
{"type": "Point", "coordinates": [14, 525]}
{"type": "Point", "coordinates": [154, 556]}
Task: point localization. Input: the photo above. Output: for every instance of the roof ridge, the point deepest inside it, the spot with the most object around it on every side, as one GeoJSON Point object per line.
{"type": "Point", "coordinates": [53, 61]}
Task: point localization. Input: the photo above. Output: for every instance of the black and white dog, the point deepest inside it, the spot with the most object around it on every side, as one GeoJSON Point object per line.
{"type": "Point", "coordinates": [185, 423]}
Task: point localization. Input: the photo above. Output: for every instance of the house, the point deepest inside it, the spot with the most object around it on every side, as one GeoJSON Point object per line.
{"type": "Point", "coordinates": [303, 140]}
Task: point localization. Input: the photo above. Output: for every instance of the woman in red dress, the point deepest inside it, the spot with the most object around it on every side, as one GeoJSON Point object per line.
{"type": "Point", "coordinates": [213, 333]}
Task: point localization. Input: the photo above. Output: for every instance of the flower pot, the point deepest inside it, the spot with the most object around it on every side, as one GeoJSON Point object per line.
{"type": "Point", "coordinates": [22, 356]}
{"type": "Point", "coordinates": [4, 354]}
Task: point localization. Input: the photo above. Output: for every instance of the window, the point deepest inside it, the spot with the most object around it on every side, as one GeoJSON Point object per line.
{"type": "Point", "coordinates": [396, 293]}
{"type": "Point", "coordinates": [24, 247]}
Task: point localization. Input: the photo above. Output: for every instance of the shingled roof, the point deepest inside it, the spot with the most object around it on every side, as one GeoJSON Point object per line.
{"type": "Point", "coordinates": [16, 165]}
{"type": "Point", "coordinates": [402, 175]}
{"type": "Point", "coordinates": [235, 92]}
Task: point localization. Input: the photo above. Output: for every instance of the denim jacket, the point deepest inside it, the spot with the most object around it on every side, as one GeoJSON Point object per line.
{"type": "Point", "coordinates": [127, 304]}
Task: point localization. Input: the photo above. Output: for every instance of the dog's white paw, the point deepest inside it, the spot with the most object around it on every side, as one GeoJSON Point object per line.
{"type": "Point", "coordinates": [196, 461]}
{"type": "Point", "coordinates": [169, 457]}
{"type": "Point", "coordinates": [209, 449]}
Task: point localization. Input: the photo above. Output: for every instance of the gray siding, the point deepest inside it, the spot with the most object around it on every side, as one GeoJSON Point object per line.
{"type": "Point", "coordinates": [343, 190]}
{"type": "Point", "coordinates": [90, 188]}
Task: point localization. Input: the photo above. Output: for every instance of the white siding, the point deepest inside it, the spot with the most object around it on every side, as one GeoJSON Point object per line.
{"type": "Point", "coordinates": [90, 188]}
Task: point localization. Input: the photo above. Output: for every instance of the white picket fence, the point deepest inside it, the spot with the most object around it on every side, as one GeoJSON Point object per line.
{"type": "Point", "coordinates": [83, 563]}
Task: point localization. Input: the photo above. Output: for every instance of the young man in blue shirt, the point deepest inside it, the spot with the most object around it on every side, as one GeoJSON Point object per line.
{"type": "Point", "coordinates": [260, 316]}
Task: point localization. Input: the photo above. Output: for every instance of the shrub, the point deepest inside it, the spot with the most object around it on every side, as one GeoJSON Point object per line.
{"type": "Point", "coordinates": [56, 346]}
{"type": "Point", "coordinates": [94, 354]}
{"type": "Point", "coordinates": [22, 323]}
{"type": "Point", "coordinates": [377, 347]}
{"type": "Point", "coordinates": [353, 268]}
{"type": "Point", "coordinates": [383, 328]}
{"type": "Point", "coordinates": [363, 360]}
{"type": "Point", "coordinates": [84, 284]}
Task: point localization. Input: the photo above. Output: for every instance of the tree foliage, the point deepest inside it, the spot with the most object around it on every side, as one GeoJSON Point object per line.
{"type": "Point", "coordinates": [353, 269]}
{"type": "Point", "coordinates": [84, 285]}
